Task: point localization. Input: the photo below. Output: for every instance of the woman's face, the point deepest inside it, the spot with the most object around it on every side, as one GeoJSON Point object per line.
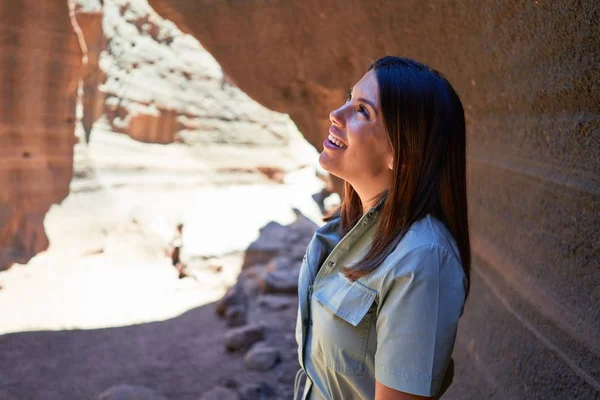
{"type": "Point", "coordinates": [365, 153]}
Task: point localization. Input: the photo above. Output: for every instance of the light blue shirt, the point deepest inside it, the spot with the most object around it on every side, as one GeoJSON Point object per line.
{"type": "Point", "coordinates": [396, 325]}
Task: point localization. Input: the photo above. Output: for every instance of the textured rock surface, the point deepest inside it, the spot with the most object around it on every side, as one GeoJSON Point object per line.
{"type": "Point", "coordinates": [140, 76]}
{"type": "Point", "coordinates": [40, 63]}
{"type": "Point", "coordinates": [261, 357]}
{"type": "Point", "coordinates": [274, 302]}
{"type": "Point", "coordinates": [243, 337]}
{"type": "Point", "coordinates": [89, 15]}
{"type": "Point", "coordinates": [528, 77]}
{"type": "Point", "coordinates": [236, 316]}
{"type": "Point", "coordinates": [158, 85]}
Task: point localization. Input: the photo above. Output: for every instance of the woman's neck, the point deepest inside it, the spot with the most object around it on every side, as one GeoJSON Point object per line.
{"type": "Point", "coordinates": [369, 198]}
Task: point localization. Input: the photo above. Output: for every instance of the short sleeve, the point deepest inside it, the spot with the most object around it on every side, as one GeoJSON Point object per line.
{"type": "Point", "coordinates": [421, 301]}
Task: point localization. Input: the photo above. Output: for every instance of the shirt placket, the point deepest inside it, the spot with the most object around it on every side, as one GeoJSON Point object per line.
{"type": "Point", "coordinates": [331, 261]}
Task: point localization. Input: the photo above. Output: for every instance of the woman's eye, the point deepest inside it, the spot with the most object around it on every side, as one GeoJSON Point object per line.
{"type": "Point", "coordinates": [363, 110]}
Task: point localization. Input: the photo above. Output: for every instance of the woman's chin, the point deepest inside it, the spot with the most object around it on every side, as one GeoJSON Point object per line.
{"type": "Point", "coordinates": [326, 163]}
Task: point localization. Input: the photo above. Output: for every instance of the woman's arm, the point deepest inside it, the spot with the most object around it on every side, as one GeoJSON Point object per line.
{"type": "Point", "coordinates": [422, 297]}
{"type": "Point", "coordinates": [383, 392]}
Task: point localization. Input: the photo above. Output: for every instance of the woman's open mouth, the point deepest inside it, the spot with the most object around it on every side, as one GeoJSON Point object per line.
{"type": "Point", "coordinates": [333, 143]}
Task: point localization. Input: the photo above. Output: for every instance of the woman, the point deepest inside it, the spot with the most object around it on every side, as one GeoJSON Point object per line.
{"type": "Point", "coordinates": [384, 281]}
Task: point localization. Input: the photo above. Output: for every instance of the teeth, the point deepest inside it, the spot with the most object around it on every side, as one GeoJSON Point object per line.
{"type": "Point", "coordinates": [335, 141]}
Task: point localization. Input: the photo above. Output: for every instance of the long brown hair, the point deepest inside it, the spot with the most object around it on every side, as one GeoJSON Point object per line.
{"type": "Point", "coordinates": [425, 122]}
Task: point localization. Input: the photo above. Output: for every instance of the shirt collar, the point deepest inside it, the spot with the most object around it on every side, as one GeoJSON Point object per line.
{"type": "Point", "coordinates": [373, 212]}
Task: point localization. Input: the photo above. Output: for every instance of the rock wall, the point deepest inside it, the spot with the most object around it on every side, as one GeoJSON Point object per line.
{"type": "Point", "coordinates": [89, 15]}
{"type": "Point", "coordinates": [40, 63]}
{"type": "Point", "coordinates": [157, 84]}
{"type": "Point", "coordinates": [528, 76]}
{"type": "Point", "coordinates": [140, 75]}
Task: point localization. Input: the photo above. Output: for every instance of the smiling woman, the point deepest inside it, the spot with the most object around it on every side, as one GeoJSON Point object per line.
{"type": "Point", "coordinates": [385, 280]}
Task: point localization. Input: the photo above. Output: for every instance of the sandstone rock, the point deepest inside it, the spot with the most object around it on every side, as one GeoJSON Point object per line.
{"type": "Point", "coordinates": [234, 297]}
{"type": "Point", "coordinates": [220, 393]}
{"type": "Point", "coordinates": [303, 230]}
{"type": "Point", "coordinates": [41, 65]}
{"type": "Point", "coordinates": [236, 316]}
{"type": "Point", "coordinates": [275, 239]}
{"type": "Point", "coordinates": [275, 302]}
{"type": "Point", "coordinates": [244, 337]}
{"type": "Point", "coordinates": [89, 16]}
{"type": "Point", "coordinates": [248, 280]}
{"type": "Point", "coordinates": [279, 263]}
{"type": "Point", "coordinates": [261, 357]}
{"type": "Point", "coordinates": [280, 281]}
{"type": "Point", "coordinates": [159, 85]}
{"type": "Point", "coordinates": [531, 104]}
{"type": "Point", "coordinates": [270, 242]}
{"type": "Point", "coordinates": [130, 392]}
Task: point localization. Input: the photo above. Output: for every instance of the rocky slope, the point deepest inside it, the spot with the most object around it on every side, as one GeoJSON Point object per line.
{"type": "Point", "coordinates": [115, 323]}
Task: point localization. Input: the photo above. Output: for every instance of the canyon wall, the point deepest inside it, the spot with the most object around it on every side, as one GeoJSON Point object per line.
{"type": "Point", "coordinates": [140, 76]}
{"type": "Point", "coordinates": [528, 77]}
{"type": "Point", "coordinates": [156, 84]}
{"type": "Point", "coordinates": [527, 73]}
{"type": "Point", "coordinates": [40, 63]}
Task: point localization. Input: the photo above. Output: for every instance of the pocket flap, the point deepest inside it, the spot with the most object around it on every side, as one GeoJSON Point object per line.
{"type": "Point", "coordinates": [347, 299]}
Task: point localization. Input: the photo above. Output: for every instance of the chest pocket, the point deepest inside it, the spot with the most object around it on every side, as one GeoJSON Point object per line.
{"type": "Point", "coordinates": [342, 319]}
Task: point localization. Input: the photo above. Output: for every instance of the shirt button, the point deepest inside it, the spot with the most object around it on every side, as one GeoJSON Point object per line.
{"type": "Point", "coordinates": [311, 322]}
{"type": "Point", "coordinates": [331, 263]}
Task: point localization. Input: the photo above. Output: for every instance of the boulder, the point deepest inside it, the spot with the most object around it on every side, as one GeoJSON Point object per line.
{"type": "Point", "coordinates": [236, 316]}
{"type": "Point", "coordinates": [280, 281]}
{"type": "Point", "coordinates": [235, 296]}
{"type": "Point", "coordinates": [262, 357]}
{"type": "Point", "coordinates": [244, 337]}
{"type": "Point", "coordinates": [271, 240]}
{"type": "Point", "coordinates": [275, 302]}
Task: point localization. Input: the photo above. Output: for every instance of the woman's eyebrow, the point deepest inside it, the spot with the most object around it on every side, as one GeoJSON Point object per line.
{"type": "Point", "coordinates": [361, 99]}
{"type": "Point", "coordinates": [369, 102]}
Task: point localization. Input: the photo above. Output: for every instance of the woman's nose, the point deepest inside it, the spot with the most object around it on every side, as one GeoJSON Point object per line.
{"type": "Point", "coordinates": [336, 117]}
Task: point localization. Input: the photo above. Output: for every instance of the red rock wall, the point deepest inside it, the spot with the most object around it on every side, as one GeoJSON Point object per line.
{"type": "Point", "coordinates": [40, 63]}
{"type": "Point", "coordinates": [88, 16]}
{"type": "Point", "coordinates": [528, 76]}
{"type": "Point", "coordinates": [140, 76]}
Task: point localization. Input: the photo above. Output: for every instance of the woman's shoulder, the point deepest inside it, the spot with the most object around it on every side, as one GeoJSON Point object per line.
{"type": "Point", "coordinates": [428, 232]}
{"type": "Point", "coordinates": [427, 248]}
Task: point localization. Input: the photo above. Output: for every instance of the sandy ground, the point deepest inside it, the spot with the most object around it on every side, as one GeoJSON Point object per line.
{"type": "Point", "coordinates": [104, 306]}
